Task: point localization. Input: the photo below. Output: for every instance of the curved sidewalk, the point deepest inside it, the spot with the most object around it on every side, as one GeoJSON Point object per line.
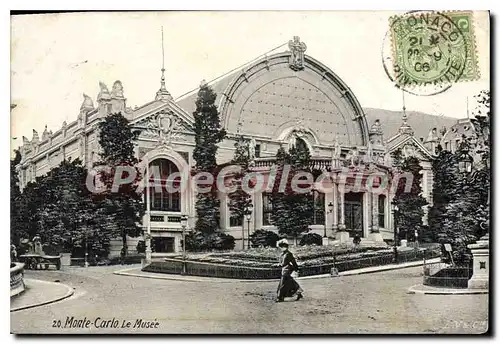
{"type": "Point", "coordinates": [39, 293]}
{"type": "Point", "coordinates": [136, 272]}
{"type": "Point", "coordinates": [425, 289]}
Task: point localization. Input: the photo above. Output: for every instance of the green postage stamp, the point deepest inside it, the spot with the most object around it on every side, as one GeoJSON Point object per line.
{"type": "Point", "coordinates": [431, 50]}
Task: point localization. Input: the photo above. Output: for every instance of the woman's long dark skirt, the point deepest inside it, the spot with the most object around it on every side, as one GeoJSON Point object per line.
{"type": "Point", "coordinates": [288, 287]}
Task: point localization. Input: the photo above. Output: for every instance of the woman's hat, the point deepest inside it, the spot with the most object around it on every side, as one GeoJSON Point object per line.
{"type": "Point", "coordinates": [282, 243]}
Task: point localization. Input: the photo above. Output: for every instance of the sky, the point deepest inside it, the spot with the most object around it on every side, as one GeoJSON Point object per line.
{"type": "Point", "coordinates": [55, 58]}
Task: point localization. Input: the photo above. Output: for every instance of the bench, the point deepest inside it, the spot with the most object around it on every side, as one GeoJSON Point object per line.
{"type": "Point", "coordinates": [38, 262]}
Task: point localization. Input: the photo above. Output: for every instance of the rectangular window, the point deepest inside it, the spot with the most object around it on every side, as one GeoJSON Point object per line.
{"type": "Point", "coordinates": [318, 199]}
{"type": "Point", "coordinates": [257, 151]}
{"type": "Point", "coordinates": [381, 211]}
{"type": "Point", "coordinates": [235, 220]}
{"type": "Point", "coordinates": [267, 209]}
{"type": "Point", "coordinates": [165, 201]}
{"type": "Point", "coordinates": [156, 200]}
{"type": "Point", "coordinates": [446, 146]}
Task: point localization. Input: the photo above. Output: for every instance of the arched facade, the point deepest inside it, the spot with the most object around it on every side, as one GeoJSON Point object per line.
{"type": "Point", "coordinates": [268, 96]}
{"type": "Point", "coordinates": [275, 101]}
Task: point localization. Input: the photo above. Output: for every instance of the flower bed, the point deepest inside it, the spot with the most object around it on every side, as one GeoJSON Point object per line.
{"type": "Point", "coordinates": [234, 266]}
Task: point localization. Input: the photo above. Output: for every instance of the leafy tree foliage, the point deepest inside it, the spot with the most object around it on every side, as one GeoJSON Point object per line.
{"type": "Point", "coordinates": [123, 207]}
{"type": "Point", "coordinates": [410, 204]}
{"type": "Point", "coordinates": [444, 191]}
{"type": "Point", "coordinates": [292, 209]}
{"type": "Point", "coordinates": [17, 220]}
{"type": "Point", "coordinates": [208, 134]}
{"type": "Point", "coordinates": [59, 208]}
{"type": "Point", "coordinates": [264, 238]}
{"type": "Point", "coordinates": [311, 239]}
{"type": "Point", "coordinates": [467, 215]}
{"type": "Point", "coordinates": [239, 200]}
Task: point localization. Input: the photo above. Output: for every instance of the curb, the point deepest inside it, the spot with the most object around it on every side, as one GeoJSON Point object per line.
{"type": "Point", "coordinates": [172, 277]}
{"type": "Point", "coordinates": [70, 292]}
{"type": "Point", "coordinates": [437, 291]}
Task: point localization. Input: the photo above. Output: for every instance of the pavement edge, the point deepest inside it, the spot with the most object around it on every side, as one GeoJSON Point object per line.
{"type": "Point", "coordinates": [444, 291]}
{"type": "Point", "coordinates": [70, 291]}
{"type": "Point", "coordinates": [125, 272]}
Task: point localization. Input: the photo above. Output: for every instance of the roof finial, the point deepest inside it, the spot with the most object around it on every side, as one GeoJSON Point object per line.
{"type": "Point", "coordinates": [162, 93]}
{"type": "Point", "coordinates": [405, 127]}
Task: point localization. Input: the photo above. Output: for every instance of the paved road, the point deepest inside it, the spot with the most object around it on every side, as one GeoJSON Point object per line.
{"type": "Point", "coordinates": [370, 303]}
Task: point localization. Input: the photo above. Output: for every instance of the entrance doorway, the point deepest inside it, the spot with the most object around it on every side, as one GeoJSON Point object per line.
{"type": "Point", "coordinates": [353, 207]}
{"type": "Point", "coordinates": [163, 245]}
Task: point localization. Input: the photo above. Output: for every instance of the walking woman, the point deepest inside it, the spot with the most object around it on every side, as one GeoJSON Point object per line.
{"type": "Point", "coordinates": [288, 287]}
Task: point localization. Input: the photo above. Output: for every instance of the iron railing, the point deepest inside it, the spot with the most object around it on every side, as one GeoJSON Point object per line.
{"type": "Point", "coordinates": [175, 266]}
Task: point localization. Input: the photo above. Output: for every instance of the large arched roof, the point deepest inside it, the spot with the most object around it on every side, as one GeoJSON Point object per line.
{"type": "Point", "coordinates": [269, 96]}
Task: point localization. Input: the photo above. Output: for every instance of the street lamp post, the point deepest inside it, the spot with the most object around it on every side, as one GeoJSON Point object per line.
{"type": "Point", "coordinates": [325, 237]}
{"type": "Point", "coordinates": [184, 223]}
{"type": "Point", "coordinates": [395, 210]}
{"type": "Point", "coordinates": [86, 264]}
{"type": "Point", "coordinates": [147, 237]}
{"type": "Point", "coordinates": [248, 216]}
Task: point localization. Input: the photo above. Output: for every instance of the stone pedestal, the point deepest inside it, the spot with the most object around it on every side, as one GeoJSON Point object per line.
{"type": "Point", "coordinates": [65, 259]}
{"type": "Point", "coordinates": [325, 241]}
{"type": "Point", "coordinates": [377, 237]}
{"type": "Point", "coordinates": [481, 264]}
{"type": "Point", "coordinates": [342, 236]}
{"type": "Point", "coordinates": [403, 243]}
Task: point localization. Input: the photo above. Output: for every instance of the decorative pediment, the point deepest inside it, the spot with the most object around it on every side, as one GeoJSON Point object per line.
{"type": "Point", "coordinates": [409, 146]}
{"type": "Point", "coordinates": [164, 126]}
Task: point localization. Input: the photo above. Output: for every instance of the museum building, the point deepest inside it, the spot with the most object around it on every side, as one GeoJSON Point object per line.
{"type": "Point", "coordinates": [283, 99]}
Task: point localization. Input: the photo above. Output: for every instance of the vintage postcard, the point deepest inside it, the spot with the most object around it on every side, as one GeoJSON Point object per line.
{"type": "Point", "coordinates": [218, 173]}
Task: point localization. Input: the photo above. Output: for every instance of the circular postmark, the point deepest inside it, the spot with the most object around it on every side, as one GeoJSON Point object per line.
{"type": "Point", "coordinates": [424, 52]}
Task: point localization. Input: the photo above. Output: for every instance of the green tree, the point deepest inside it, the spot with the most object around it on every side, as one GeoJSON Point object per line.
{"type": "Point", "coordinates": [239, 200]}
{"type": "Point", "coordinates": [467, 215]}
{"type": "Point", "coordinates": [124, 206]}
{"type": "Point", "coordinates": [208, 134]}
{"type": "Point", "coordinates": [17, 223]}
{"type": "Point", "coordinates": [292, 209]}
{"type": "Point", "coordinates": [444, 191]}
{"type": "Point", "coordinates": [410, 204]}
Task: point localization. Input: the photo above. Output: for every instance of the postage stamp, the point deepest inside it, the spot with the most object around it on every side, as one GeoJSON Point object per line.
{"type": "Point", "coordinates": [430, 51]}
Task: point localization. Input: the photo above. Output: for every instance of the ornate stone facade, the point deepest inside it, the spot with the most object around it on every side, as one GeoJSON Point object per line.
{"type": "Point", "coordinates": [274, 101]}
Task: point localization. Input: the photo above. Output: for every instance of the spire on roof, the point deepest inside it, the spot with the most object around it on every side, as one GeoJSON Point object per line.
{"type": "Point", "coordinates": [162, 93]}
{"type": "Point", "coordinates": [405, 127]}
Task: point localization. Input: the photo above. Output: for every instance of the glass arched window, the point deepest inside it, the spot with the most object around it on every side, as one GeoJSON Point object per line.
{"type": "Point", "coordinates": [300, 144]}
{"type": "Point", "coordinates": [164, 184]}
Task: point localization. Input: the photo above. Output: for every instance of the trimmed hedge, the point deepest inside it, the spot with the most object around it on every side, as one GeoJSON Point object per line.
{"type": "Point", "coordinates": [128, 259]}
{"type": "Point", "coordinates": [264, 238]}
{"type": "Point", "coordinates": [311, 239]}
{"type": "Point", "coordinates": [197, 268]}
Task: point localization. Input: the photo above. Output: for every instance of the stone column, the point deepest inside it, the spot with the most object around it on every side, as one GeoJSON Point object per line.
{"type": "Point", "coordinates": [342, 212]}
{"type": "Point", "coordinates": [481, 264]}
{"type": "Point", "coordinates": [224, 212]}
{"type": "Point", "coordinates": [374, 213]}
{"type": "Point", "coordinates": [342, 235]}
{"type": "Point", "coordinates": [375, 234]}
{"type": "Point", "coordinates": [335, 223]}
{"type": "Point", "coordinates": [257, 210]}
